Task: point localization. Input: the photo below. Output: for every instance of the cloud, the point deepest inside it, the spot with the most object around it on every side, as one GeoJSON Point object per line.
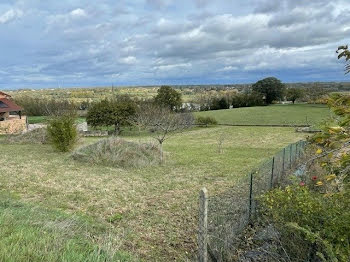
{"type": "Point", "coordinates": [167, 41]}
{"type": "Point", "coordinates": [78, 13]}
{"type": "Point", "coordinates": [10, 16]}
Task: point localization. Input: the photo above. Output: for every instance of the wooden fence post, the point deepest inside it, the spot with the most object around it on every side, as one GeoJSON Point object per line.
{"type": "Point", "coordinates": [203, 226]}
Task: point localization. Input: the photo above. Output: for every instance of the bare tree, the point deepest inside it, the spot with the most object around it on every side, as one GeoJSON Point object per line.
{"type": "Point", "coordinates": [161, 122]}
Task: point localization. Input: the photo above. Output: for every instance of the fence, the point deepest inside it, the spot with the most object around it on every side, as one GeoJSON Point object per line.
{"type": "Point", "coordinates": [223, 217]}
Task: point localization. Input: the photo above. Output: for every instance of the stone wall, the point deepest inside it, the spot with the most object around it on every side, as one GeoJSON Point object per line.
{"type": "Point", "coordinates": [13, 125]}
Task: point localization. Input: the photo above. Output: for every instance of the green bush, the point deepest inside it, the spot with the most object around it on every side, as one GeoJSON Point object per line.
{"type": "Point", "coordinates": [62, 132]}
{"type": "Point", "coordinates": [117, 152]}
{"type": "Point", "coordinates": [312, 225]}
{"type": "Point", "coordinates": [206, 120]}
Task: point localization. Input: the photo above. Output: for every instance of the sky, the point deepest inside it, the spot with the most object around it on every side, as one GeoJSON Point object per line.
{"type": "Point", "coordinates": [153, 42]}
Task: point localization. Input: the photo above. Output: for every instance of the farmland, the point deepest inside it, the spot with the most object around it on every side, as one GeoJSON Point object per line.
{"type": "Point", "coordinates": [148, 213]}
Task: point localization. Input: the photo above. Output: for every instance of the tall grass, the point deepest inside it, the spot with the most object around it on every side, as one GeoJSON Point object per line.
{"type": "Point", "coordinates": [117, 152]}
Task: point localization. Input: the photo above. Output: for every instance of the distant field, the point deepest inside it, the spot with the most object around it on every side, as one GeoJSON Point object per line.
{"type": "Point", "coordinates": [153, 209]}
{"type": "Point", "coordinates": [271, 115]}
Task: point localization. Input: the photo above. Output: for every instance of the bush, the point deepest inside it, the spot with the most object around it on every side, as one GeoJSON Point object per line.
{"type": "Point", "coordinates": [206, 120]}
{"type": "Point", "coordinates": [63, 132]}
{"type": "Point", "coordinates": [311, 224]}
{"type": "Point", "coordinates": [117, 152]}
{"type": "Point", "coordinates": [36, 136]}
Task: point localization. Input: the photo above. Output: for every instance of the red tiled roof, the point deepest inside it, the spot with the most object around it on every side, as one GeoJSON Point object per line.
{"type": "Point", "coordinates": [4, 94]}
{"type": "Point", "coordinates": [8, 106]}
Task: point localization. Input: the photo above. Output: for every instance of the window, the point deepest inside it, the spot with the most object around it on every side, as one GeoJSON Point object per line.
{"type": "Point", "coordinates": [3, 105]}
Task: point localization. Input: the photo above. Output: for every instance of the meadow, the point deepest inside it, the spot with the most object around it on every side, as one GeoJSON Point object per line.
{"type": "Point", "coordinates": [147, 214]}
{"type": "Point", "coordinates": [279, 114]}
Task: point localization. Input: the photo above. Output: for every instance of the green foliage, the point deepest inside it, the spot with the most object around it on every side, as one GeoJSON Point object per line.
{"type": "Point", "coordinates": [343, 51]}
{"type": "Point", "coordinates": [206, 120]}
{"type": "Point", "coordinates": [111, 112]}
{"type": "Point", "coordinates": [271, 88]}
{"type": "Point", "coordinates": [168, 97]}
{"type": "Point", "coordinates": [319, 225]}
{"type": "Point", "coordinates": [247, 100]}
{"type": "Point", "coordinates": [218, 103]}
{"type": "Point", "coordinates": [294, 94]}
{"type": "Point", "coordinates": [63, 132]}
{"type": "Point", "coordinates": [117, 152]}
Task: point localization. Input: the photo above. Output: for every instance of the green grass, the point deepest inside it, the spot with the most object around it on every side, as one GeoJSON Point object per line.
{"type": "Point", "coordinates": [37, 119]}
{"type": "Point", "coordinates": [30, 233]}
{"type": "Point", "coordinates": [297, 114]}
{"type": "Point", "coordinates": [152, 210]}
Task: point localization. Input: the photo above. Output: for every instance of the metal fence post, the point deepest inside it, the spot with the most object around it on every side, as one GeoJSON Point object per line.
{"type": "Point", "coordinates": [250, 197]}
{"type": "Point", "coordinates": [284, 156]}
{"type": "Point", "coordinates": [290, 156]}
{"type": "Point", "coordinates": [272, 170]}
{"type": "Point", "coordinates": [203, 226]}
{"type": "Point", "coordinates": [296, 150]}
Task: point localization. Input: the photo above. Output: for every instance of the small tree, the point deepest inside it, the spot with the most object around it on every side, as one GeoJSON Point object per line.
{"type": "Point", "coordinates": [271, 88]}
{"type": "Point", "coordinates": [115, 113]}
{"type": "Point", "coordinates": [294, 94]}
{"type": "Point", "coordinates": [62, 132]}
{"type": "Point", "coordinates": [161, 122]}
{"type": "Point", "coordinates": [168, 97]}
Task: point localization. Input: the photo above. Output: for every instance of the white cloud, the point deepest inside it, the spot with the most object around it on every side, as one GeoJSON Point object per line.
{"type": "Point", "coordinates": [129, 60]}
{"type": "Point", "coordinates": [10, 16]}
{"type": "Point", "coordinates": [78, 13]}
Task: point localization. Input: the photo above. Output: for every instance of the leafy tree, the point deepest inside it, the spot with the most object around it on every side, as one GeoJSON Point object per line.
{"type": "Point", "coordinates": [168, 97]}
{"type": "Point", "coordinates": [294, 94]}
{"type": "Point", "coordinates": [219, 103]}
{"type": "Point", "coordinates": [115, 113]}
{"type": "Point", "coordinates": [271, 88]}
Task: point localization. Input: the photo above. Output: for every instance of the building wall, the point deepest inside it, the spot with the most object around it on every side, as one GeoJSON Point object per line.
{"type": "Point", "coordinates": [13, 125]}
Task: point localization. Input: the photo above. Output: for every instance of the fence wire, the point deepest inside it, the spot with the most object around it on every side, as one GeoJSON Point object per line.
{"type": "Point", "coordinates": [231, 211]}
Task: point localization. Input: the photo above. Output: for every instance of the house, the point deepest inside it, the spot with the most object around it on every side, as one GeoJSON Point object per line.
{"type": "Point", "coordinates": [11, 119]}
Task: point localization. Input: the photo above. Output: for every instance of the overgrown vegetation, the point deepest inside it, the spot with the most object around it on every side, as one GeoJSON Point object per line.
{"type": "Point", "coordinates": [313, 214]}
{"type": "Point", "coordinates": [36, 136]}
{"type": "Point", "coordinates": [117, 152]}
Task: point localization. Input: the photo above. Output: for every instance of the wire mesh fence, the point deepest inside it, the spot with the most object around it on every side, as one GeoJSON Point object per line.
{"type": "Point", "coordinates": [231, 211]}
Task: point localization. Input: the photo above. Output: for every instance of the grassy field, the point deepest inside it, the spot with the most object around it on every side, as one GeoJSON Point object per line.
{"type": "Point", "coordinates": [149, 213]}
{"type": "Point", "coordinates": [297, 114]}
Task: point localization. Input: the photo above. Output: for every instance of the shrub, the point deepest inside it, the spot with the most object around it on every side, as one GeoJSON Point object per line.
{"type": "Point", "coordinates": [311, 224]}
{"type": "Point", "coordinates": [117, 152]}
{"type": "Point", "coordinates": [62, 132]}
{"type": "Point", "coordinates": [36, 136]}
{"type": "Point", "coordinates": [206, 120]}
